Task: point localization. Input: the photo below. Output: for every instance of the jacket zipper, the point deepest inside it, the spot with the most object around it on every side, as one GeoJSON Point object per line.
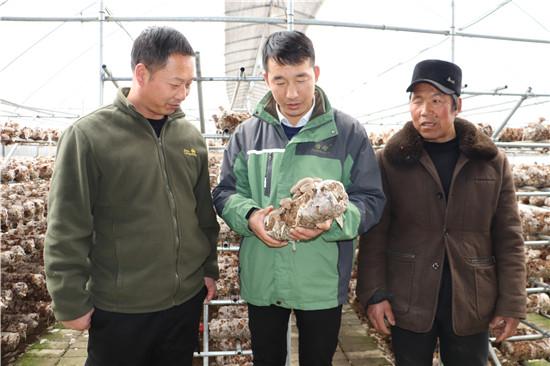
{"type": "Point", "coordinates": [267, 177]}
{"type": "Point", "coordinates": [172, 200]}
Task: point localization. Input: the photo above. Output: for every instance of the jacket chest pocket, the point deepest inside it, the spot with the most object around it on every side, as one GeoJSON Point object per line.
{"type": "Point", "coordinates": [401, 267]}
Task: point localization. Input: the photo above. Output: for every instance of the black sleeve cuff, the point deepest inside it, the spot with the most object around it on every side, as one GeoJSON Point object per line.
{"type": "Point", "coordinates": [379, 296]}
{"type": "Point", "coordinates": [250, 212]}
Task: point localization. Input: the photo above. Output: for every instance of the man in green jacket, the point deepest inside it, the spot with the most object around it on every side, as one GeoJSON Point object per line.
{"type": "Point", "coordinates": [130, 250]}
{"type": "Point", "coordinates": [295, 133]}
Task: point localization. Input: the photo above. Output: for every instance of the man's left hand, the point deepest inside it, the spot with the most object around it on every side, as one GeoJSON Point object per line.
{"type": "Point", "coordinates": [210, 284]}
{"type": "Point", "coordinates": [503, 327]}
{"type": "Point", "coordinates": [304, 234]}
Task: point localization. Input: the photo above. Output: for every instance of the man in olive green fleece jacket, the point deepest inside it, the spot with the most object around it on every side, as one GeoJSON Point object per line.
{"type": "Point", "coordinates": [130, 250]}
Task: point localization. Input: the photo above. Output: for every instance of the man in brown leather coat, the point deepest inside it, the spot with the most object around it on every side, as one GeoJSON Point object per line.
{"type": "Point", "coordinates": [446, 260]}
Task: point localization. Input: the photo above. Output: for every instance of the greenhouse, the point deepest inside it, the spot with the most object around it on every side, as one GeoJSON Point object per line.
{"type": "Point", "coordinates": [63, 60]}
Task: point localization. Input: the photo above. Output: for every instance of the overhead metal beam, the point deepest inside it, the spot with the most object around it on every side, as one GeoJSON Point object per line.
{"type": "Point", "coordinates": [202, 78]}
{"type": "Point", "coordinates": [274, 21]}
{"type": "Point", "coordinates": [507, 94]}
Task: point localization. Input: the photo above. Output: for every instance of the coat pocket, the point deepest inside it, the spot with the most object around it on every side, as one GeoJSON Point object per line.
{"type": "Point", "coordinates": [485, 285]}
{"type": "Point", "coordinates": [401, 279]}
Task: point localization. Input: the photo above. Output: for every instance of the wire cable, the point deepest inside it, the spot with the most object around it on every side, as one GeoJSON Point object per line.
{"type": "Point", "coordinates": [35, 109]}
{"type": "Point", "coordinates": [39, 40]}
{"type": "Point", "coordinates": [400, 63]}
{"type": "Point", "coordinates": [488, 106]}
{"type": "Point", "coordinates": [531, 16]}
{"type": "Point", "coordinates": [120, 25]}
{"type": "Point", "coordinates": [508, 109]}
{"type": "Point", "coordinates": [501, 5]}
{"type": "Point", "coordinates": [32, 46]}
{"type": "Point", "coordinates": [399, 113]}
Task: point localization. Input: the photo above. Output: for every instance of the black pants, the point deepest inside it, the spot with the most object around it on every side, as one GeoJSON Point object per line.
{"type": "Point", "coordinates": [416, 349]}
{"type": "Point", "coordinates": [166, 337]}
{"type": "Point", "coordinates": [317, 329]}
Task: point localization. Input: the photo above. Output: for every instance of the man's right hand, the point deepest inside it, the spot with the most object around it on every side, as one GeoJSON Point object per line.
{"type": "Point", "coordinates": [82, 323]}
{"type": "Point", "coordinates": [377, 313]}
{"type": "Point", "coordinates": [256, 225]}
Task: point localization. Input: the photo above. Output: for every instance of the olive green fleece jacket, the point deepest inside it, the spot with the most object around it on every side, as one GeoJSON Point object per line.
{"type": "Point", "coordinates": [131, 227]}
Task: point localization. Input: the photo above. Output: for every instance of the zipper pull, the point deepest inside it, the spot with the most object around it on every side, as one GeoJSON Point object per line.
{"type": "Point", "coordinates": [293, 243]}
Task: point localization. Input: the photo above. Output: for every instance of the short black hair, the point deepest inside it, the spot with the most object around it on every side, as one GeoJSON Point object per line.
{"type": "Point", "coordinates": [288, 48]}
{"type": "Point", "coordinates": [155, 44]}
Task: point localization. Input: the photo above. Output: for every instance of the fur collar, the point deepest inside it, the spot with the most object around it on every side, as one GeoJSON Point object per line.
{"type": "Point", "coordinates": [405, 147]}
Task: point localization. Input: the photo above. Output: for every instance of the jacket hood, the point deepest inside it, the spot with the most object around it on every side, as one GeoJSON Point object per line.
{"type": "Point", "coordinates": [406, 146]}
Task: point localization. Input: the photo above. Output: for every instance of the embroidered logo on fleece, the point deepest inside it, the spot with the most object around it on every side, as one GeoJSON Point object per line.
{"type": "Point", "coordinates": [190, 152]}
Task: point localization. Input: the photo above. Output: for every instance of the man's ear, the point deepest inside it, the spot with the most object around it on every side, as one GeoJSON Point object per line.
{"type": "Point", "coordinates": [266, 78]}
{"type": "Point", "coordinates": [458, 105]}
{"type": "Point", "coordinates": [317, 72]}
{"type": "Point", "coordinates": [141, 74]}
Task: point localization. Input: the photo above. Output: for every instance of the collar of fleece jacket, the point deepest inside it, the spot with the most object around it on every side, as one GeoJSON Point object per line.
{"type": "Point", "coordinates": [405, 147]}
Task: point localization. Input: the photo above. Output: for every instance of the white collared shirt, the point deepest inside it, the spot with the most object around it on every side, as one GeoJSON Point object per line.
{"type": "Point", "coordinates": [303, 120]}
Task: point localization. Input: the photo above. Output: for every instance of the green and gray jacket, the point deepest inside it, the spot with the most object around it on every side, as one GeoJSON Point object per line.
{"type": "Point", "coordinates": [131, 227]}
{"type": "Point", "coordinates": [260, 166]}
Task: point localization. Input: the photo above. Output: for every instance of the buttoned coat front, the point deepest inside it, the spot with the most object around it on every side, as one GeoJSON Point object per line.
{"type": "Point", "coordinates": [478, 227]}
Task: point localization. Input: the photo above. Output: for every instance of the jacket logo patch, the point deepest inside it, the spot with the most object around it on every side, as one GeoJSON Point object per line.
{"type": "Point", "coordinates": [320, 147]}
{"type": "Point", "coordinates": [190, 152]}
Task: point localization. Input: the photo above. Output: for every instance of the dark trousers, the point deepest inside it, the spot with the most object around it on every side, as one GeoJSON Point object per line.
{"type": "Point", "coordinates": [416, 349]}
{"type": "Point", "coordinates": [167, 337]}
{"type": "Point", "coordinates": [317, 332]}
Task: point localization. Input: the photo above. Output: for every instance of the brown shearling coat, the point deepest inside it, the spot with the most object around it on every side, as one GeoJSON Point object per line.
{"type": "Point", "coordinates": [479, 229]}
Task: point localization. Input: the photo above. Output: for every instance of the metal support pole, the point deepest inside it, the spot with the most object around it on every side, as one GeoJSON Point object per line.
{"type": "Point", "coordinates": [493, 355]}
{"type": "Point", "coordinates": [536, 243]}
{"type": "Point", "coordinates": [542, 284]}
{"type": "Point", "coordinates": [234, 99]}
{"type": "Point", "coordinates": [501, 127]}
{"type": "Point", "coordinates": [537, 290]}
{"type": "Point", "coordinates": [8, 157]}
{"type": "Point", "coordinates": [205, 335]}
{"type": "Point", "coordinates": [109, 76]}
{"type": "Point", "coordinates": [521, 338]}
{"type": "Point", "coordinates": [497, 92]}
{"type": "Point", "coordinates": [199, 90]}
{"type": "Point", "coordinates": [236, 352]}
{"type": "Point", "coordinates": [544, 332]}
{"type": "Point", "coordinates": [526, 145]}
{"type": "Point", "coordinates": [290, 15]}
{"type": "Point", "coordinates": [536, 194]}
{"type": "Point", "coordinates": [101, 20]}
